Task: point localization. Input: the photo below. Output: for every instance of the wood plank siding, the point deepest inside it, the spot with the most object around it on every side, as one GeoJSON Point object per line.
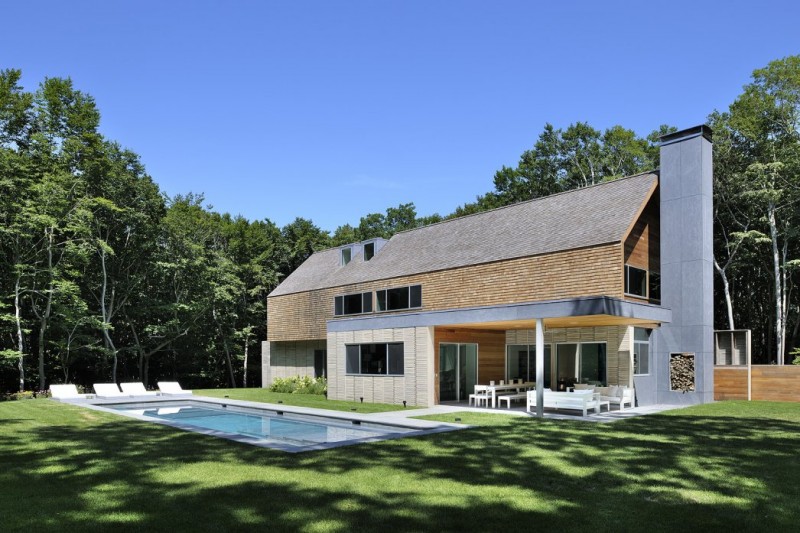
{"type": "Point", "coordinates": [769, 383]}
{"type": "Point", "coordinates": [491, 352]}
{"type": "Point", "coordinates": [591, 271]}
{"type": "Point", "coordinates": [642, 245]}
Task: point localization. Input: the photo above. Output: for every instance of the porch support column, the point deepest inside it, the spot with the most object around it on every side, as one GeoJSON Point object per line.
{"type": "Point", "coordinates": [539, 367]}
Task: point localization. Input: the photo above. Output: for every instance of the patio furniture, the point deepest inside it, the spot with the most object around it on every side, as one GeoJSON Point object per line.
{"type": "Point", "coordinates": [108, 390]}
{"type": "Point", "coordinates": [494, 389]}
{"type": "Point", "coordinates": [67, 392]}
{"type": "Point", "coordinates": [582, 401]}
{"type": "Point", "coordinates": [481, 395]}
{"type": "Point", "coordinates": [172, 388]}
{"type": "Point", "coordinates": [136, 389]}
{"type": "Point", "coordinates": [617, 395]}
{"type": "Point", "coordinates": [509, 397]}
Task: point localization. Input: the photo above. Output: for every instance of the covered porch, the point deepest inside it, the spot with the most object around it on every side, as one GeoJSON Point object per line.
{"type": "Point", "coordinates": [552, 344]}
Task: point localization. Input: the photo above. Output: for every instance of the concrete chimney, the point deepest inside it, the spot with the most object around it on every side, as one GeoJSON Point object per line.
{"type": "Point", "coordinates": [687, 268]}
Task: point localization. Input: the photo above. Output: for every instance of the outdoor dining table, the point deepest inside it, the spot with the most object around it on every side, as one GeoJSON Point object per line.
{"type": "Point", "coordinates": [494, 389]}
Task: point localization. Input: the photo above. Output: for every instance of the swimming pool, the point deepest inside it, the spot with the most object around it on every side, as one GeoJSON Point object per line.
{"type": "Point", "coordinates": [265, 427]}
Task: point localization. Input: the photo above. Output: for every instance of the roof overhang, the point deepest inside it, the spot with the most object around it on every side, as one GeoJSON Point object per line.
{"type": "Point", "coordinates": [573, 312]}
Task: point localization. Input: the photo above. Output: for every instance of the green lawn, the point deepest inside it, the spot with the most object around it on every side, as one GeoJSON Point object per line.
{"type": "Point", "coordinates": [728, 466]}
{"type": "Point", "coordinates": [301, 400]}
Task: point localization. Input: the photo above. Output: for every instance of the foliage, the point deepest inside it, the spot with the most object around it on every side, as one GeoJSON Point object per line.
{"type": "Point", "coordinates": [757, 190]}
{"type": "Point", "coordinates": [300, 385]}
{"type": "Point", "coordinates": [25, 395]}
{"type": "Point", "coordinates": [104, 278]}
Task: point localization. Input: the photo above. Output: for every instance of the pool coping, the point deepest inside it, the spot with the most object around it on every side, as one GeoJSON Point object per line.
{"type": "Point", "coordinates": [416, 427]}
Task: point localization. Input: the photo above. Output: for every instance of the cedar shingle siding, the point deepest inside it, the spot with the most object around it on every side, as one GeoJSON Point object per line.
{"type": "Point", "coordinates": [586, 272]}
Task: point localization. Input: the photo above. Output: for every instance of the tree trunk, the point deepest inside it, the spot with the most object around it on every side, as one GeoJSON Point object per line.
{"type": "Point", "coordinates": [20, 345]}
{"type": "Point", "coordinates": [106, 316]}
{"type": "Point", "coordinates": [776, 265]}
{"type": "Point", "coordinates": [44, 319]}
{"type": "Point", "coordinates": [246, 350]}
{"type": "Point", "coordinates": [225, 347]}
{"type": "Point", "coordinates": [727, 289]}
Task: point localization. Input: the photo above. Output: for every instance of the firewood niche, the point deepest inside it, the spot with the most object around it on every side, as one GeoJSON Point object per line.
{"type": "Point", "coordinates": [681, 372]}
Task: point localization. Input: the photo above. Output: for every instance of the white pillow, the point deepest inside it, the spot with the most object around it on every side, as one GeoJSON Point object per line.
{"type": "Point", "coordinates": [615, 391]}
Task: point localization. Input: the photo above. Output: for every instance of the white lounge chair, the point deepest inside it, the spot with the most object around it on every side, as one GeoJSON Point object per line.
{"type": "Point", "coordinates": [67, 392]}
{"type": "Point", "coordinates": [108, 390]}
{"type": "Point", "coordinates": [136, 389]}
{"type": "Point", "coordinates": [172, 388]}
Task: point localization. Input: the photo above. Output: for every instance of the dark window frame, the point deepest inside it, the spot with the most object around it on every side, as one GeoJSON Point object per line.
{"type": "Point", "coordinates": [369, 250]}
{"type": "Point", "coordinates": [413, 295]}
{"type": "Point", "coordinates": [340, 303]}
{"type": "Point", "coordinates": [381, 358]}
{"type": "Point", "coordinates": [627, 288]}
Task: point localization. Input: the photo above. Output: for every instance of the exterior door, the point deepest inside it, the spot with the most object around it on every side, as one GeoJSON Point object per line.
{"type": "Point", "coordinates": [458, 371]}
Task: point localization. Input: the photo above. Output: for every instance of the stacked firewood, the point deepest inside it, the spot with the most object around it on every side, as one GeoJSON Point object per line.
{"type": "Point", "coordinates": [681, 372]}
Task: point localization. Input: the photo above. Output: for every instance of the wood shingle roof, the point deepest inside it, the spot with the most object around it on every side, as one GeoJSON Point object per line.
{"type": "Point", "coordinates": [600, 214]}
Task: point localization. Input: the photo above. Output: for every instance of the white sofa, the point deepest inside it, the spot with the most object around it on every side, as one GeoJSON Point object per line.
{"type": "Point", "coordinates": [616, 395]}
{"type": "Point", "coordinates": [580, 400]}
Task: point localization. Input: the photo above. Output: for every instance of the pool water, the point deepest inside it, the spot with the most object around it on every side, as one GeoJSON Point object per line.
{"type": "Point", "coordinates": [263, 425]}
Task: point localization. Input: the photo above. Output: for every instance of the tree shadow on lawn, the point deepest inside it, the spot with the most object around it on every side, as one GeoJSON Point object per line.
{"type": "Point", "coordinates": [662, 473]}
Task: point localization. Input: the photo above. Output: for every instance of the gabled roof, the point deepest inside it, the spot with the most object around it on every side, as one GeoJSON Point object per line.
{"type": "Point", "coordinates": [591, 216]}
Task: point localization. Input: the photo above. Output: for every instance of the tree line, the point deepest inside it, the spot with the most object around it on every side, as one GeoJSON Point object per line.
{"type": "Point", "coordinates": [104, 278]}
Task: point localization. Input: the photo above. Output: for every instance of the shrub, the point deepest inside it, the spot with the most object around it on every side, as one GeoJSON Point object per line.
{"type": "Point", "coordinates": [26, 395]}
{"type": "Point", "coordinates": [300, 385]}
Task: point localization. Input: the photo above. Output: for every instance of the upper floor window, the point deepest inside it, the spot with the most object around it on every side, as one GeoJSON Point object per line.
{"type": "Point", "coordinates": [347, 255]}
{"type": "Point", "coordinates": [641, 283]}
{"type": "Point", "coordinates": [352, 304]}
{"type": "Point", "coordinates": [369, 251]}
{"type": "Point", "coordinates": [399, 298]}
{"type": "Point", "coordinates": [635, 281]}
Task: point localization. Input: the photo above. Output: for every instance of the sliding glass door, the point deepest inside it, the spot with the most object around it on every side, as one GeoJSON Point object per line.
{"type": "Point", "coordinates": [581, 362]}
{"type": "Point", "coordinates": [521, 362]}
{"type": "Point", "coordinates": [458, 371]}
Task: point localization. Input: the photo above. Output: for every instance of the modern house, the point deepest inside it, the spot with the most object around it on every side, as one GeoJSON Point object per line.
{"type": "Point", "coordinates": [610, 284]}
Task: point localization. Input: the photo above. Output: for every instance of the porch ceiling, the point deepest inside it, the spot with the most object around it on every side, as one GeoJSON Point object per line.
{"type": "Point", "coordinates": [561, 322]}
{"type": "Point", "coordinates": [573, 312]}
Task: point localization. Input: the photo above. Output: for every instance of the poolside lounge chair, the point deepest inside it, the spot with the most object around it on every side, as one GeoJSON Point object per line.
{"type": "Point", "coordinates": [136, 389]}
{"type": "Point", "coordinates": [108, 390]}
{"type": "Point", "coordinates": [172, 388]}
{"type": "Point", "coordinates": [67, 392]}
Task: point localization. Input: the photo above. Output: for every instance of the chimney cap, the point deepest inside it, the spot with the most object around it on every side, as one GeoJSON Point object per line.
{"type": "Point", "coordinates": [688, 133]}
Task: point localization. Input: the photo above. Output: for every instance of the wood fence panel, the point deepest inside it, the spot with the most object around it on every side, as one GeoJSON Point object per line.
{"type": "Point", "coordinates": [769, 383]}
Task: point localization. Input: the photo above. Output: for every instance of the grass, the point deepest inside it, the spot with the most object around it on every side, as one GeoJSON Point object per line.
{"type": "Point", "coordinates": [299, 400]}
{"type": "Point", "coordinates": [728, 466]}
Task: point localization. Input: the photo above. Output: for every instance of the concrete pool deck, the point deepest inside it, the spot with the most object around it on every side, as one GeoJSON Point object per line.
{"type": "Point", "coordinates": [403, 419]}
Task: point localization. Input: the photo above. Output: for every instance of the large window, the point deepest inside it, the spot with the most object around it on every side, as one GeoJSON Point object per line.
{"type": "Point", "coordinates": [399, 298]}
{"type": "Point", "coordinates": [352, 304]}
{"type": "Point", "coordinates": [375, 359]}
{"type": "Point", "coordinates": [635, 281]}
{"type": "Point", "coordinates": [641, 351]}
{"type": "Point", "coordinates": [641, 283]}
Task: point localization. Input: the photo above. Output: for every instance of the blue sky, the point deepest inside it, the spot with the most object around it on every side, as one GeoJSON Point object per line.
{"type": "Point", "coordinates": [332, 110]}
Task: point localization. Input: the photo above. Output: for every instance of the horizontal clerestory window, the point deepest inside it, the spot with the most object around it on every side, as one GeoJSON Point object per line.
{"type": "Point", "coordinates": [399, 298]}
{"type": "Point", "coordinates": [352, 304]}
{"type": "Point", "coordinates": [380, 359]}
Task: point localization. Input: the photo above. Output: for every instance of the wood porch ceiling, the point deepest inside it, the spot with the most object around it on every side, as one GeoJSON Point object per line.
{"type": "Point", "coordinates": [560, 322]}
